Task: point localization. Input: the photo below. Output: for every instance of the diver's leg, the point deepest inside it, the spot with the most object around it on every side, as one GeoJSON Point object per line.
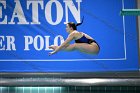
{"type": "Point", "coordinates": [87, 48]}
{"type": "Point", "coordinates": [83, 47]}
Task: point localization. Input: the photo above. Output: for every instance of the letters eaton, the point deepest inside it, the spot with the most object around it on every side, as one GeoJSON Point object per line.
{"type": "Point", "coordinates": [38, 5]}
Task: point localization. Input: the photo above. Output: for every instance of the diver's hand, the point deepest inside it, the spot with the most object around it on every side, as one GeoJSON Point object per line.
{"type": "Point", "coordinates": [53, 47]}
{"type": "Point", "coordinates": [51, 53]}
{"type": "Point", "coordinates": [55, 50]}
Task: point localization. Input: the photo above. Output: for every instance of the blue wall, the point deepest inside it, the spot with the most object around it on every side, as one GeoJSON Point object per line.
{"type": "Point", "coordinates": [117, 37]}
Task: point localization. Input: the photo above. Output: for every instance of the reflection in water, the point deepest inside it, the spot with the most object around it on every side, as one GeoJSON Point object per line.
{"type": "Point", "coordinates": [70, 89]}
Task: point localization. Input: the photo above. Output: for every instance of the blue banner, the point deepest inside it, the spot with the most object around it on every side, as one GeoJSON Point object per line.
{"type": "Point", "coordinates": [29, 27]}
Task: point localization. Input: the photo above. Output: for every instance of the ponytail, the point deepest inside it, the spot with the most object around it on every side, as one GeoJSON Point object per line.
{"type": "Point", "coordinates": [80, 23]}
{"type": "Point", "coordinates": [74, 26]}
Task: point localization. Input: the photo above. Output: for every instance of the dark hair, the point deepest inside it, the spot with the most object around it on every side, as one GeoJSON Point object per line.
{"type": "Point", "coordinates": [73, 25]}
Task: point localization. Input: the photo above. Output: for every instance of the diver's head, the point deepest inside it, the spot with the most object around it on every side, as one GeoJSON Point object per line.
{"type": "Point", "coordinates": [71, 26]}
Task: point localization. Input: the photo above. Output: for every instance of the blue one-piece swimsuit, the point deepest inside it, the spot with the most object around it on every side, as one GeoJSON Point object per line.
{"type": "Point", "coordinates": [83, 39]}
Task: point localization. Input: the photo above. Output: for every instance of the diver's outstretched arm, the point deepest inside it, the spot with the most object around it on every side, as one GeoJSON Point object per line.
{"type": "Point", "coordinates": [68, 47]}
{"type": "Point", "coordinates": [70, 38]}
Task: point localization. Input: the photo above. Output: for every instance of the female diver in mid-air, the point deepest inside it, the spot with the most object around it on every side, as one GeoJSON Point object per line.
{"type": "Point", "coordinates": [83, 42]}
